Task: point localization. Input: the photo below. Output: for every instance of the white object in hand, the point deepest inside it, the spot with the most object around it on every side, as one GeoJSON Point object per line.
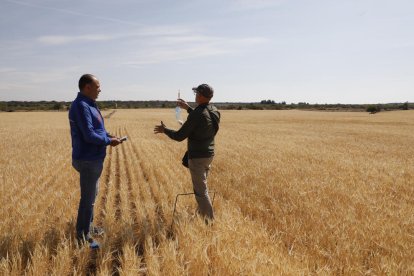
{"type": "Point", "coordinates": [178, 112]}
{"type": "Point", "coordinates": [178, 115]}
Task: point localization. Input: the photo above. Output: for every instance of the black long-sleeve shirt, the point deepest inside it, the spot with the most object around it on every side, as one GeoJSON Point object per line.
{"type": "Point", "coordinates": [200, 130]}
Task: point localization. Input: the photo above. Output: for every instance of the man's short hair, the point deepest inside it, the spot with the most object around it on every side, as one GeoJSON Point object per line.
{"type": "Point", "coordinates": [84, 80]}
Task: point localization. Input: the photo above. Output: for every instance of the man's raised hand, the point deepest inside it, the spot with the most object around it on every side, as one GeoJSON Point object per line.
{"type": "Point", "coordinates": [183, 104]}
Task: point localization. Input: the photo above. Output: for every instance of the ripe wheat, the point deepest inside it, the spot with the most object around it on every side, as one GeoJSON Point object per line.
{"type": "Point", "coordinates": [296, 193]}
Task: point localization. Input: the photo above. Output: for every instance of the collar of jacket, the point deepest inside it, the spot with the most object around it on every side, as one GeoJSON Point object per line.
{"type": "Point", "coordinates": [203, 105]}
{"type": "Point", "coordinates": [86, 99]}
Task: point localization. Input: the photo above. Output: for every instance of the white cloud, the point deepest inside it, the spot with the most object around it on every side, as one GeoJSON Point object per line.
{"type": "Point", "coordinates": [75, 13]}
{"type": "Point", "coordinates": [186, 47]}
{"type": "Point", "coordinates": [161, 55]}
{"type": "Point", "coordinates": [53, 83]}
{"type": "Point", "coordinates": [9, 87]}
{"type": "Point", "coordinates": [161, 31]}
{"type": "Point", "coordinates": [158, 44]}
{"type": "Point", "coordinates": [256, 4]}
{"type": "Point", "coordinates": [5, 70]}
{"type": "Point", "coordinates": [151, 31]}
{"type": "Point", "coordinates": [35, 77]}
{"type": "Point", "coordinates": [65, 39]}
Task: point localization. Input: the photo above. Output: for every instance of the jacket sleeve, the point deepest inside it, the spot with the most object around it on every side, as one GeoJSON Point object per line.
{"type": "Point", "coordinates": [185, 129]}
{"type": "Point", "coordinates": [84, 122]}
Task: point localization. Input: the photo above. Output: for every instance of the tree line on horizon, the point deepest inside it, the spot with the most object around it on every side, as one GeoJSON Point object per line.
{"type": "Point", "coordinates": [11, 106]}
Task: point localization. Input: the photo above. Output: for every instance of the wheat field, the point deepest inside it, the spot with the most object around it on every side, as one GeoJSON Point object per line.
{"type": "Point", "coordinates": [295, 193]}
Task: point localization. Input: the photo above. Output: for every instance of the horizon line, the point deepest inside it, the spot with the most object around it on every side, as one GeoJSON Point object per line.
{"type": "Point", "coordinates": [226, 102]}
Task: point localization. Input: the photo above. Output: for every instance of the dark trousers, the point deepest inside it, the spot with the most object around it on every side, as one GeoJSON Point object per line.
{"type": "Point", "coordinates": [89, 172]}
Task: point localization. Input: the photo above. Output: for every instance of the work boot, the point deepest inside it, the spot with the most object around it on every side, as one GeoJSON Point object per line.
{"type": "Point", "coordinates": [93, 244]}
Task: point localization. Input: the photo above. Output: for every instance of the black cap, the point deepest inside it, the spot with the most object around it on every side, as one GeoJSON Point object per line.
{"type": "Point", "coordinates": [205, 90]}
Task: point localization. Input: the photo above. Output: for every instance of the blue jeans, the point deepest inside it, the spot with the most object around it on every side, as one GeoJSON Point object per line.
{"type": "Point", "coordinates": [89, 172]}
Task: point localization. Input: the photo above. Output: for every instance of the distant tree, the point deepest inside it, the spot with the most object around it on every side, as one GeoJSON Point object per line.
{"type": "Point", "coordinates": [254, 107]}
{"type": "Point", "coordinates": [3, 106]}
{"type": "Point", "coordinates": [373, 109]}
{"type": "Point", "coordinates": [404, 106]}
{"type": "Point", "coordinates": [267, 102]}
{"type": "Point", "coordinates": [57, 106]}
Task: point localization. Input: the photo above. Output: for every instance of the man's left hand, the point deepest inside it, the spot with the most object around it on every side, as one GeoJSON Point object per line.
{"type": "Point", "coordinates": [115, 142]}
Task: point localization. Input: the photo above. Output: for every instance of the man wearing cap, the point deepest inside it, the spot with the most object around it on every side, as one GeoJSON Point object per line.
{"type": "Point", "coordinates": [200, 128]}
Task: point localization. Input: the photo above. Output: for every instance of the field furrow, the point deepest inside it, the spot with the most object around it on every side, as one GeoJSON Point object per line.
{"type": "Point", "coordinates": [295, 193]}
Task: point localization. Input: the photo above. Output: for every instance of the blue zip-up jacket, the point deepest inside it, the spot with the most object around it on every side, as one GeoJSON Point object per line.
{"type": "Point", "coordinates": [89, 137]}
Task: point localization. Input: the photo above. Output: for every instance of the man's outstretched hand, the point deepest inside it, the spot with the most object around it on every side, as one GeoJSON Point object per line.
{"type": "Point", "coordinates": [160, 128]}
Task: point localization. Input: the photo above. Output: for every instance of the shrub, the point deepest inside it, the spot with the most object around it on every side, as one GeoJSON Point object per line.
{"type": "Point", "coordinates": [373, 109]}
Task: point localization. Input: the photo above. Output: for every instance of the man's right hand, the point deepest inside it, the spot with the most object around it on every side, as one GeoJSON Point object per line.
{"type": "Point", "coordinates": [115, 141]}
{"type": "Point", "coordinates": [160, 128]}
{"type": "Point", "coordinates": [183, 104]}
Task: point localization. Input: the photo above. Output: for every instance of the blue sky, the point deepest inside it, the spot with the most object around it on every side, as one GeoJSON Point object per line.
{"type": "Point", "coordinates": [316, 51]}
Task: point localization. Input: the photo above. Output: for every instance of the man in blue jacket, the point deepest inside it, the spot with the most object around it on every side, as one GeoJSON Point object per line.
{"type": "Point", "coordinates": [89, 142]}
